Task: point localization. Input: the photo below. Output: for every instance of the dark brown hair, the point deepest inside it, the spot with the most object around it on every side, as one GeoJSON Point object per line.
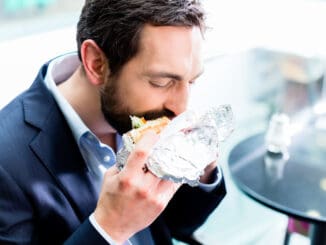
{"type": "Point", "coordinates": [115, 25]}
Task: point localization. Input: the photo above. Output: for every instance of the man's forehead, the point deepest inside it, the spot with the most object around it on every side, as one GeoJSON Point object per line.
{"type": "Point", "coordinates": [171, 46]}
{"type": "Point", "coordinates": [152, 33]}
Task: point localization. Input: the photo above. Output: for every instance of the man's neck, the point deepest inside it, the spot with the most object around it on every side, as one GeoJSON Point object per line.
{"type": "Point", "coordinates": [110, 140]}
{"type": "Point", "coordinates": [85, 100]}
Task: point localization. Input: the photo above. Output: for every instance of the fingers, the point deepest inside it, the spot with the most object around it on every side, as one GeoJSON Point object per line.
{"type": "Point", "coordinates": [207, 176]}
{"type": "Point", "coordinates": [112, 171]}
{"type": "Point", "coordinates": [139, 155]}
{"type": "Point", "coordinates": [124, 193]}
{"type": "Point", "coordinates": [167, 189]}
{"type": "Point", "coordinates": [136, 176]}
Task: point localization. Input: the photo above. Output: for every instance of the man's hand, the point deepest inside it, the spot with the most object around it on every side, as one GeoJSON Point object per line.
{"type": "Point", "coordinates": [132, 199]}
{"type": "Point", "coordinates": [206, 178]}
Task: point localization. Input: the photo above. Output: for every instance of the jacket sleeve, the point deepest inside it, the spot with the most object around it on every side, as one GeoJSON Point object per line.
{"type": "Point", "coordinates": [86, 234]}
{"type": "Point", "coordinates": [190, 208]}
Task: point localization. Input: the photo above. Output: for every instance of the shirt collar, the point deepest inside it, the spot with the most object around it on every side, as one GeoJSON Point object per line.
{"type": "Point", "coordinates": [60, 69]}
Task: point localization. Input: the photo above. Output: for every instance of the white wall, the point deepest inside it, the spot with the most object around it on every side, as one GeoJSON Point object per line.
{"type": "Point", "coordinates": [20, 59]}
{"type": "Point", "coordinates": [290, 25]}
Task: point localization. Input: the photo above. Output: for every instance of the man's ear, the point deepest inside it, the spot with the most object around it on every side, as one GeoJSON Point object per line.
{"type": "Point", "coordinates": [95, 62]}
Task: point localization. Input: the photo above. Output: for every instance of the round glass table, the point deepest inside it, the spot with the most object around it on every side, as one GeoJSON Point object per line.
{"type": "Point", "coordinates": [294, 184]}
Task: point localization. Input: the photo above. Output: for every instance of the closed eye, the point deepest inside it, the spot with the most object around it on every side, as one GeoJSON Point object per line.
{"type": "Point", "coordinates": [161, 84]}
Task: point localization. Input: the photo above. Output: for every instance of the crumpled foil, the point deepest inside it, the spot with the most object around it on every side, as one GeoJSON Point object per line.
{"type": "Point", "coordinates": [187, 145]}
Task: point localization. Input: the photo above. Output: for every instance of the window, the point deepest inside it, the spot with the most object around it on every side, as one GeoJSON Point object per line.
{"type": "Point", "coordinates": [24, 17]}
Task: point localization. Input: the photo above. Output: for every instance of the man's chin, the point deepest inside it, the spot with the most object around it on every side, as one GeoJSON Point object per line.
{"type": "Point", "coordinates": [122, 126]}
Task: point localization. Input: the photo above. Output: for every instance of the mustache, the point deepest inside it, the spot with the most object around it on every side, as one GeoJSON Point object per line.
{"type": "Point", "coordinates": [151, 115]}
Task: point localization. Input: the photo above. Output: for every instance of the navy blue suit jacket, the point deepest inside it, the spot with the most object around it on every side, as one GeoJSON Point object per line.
{"type": "Point", "coordinates": [47, 193]}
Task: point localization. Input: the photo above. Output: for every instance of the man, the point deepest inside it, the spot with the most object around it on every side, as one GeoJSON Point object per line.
{"type": "Point", "coordinates": [59, 138]}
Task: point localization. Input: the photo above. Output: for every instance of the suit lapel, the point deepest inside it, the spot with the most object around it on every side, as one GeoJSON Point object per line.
{"type": "Point", "coordinates": [56, 148]}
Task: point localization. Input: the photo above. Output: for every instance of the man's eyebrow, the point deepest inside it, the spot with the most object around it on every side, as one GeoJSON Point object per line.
{"type": "Point", "coordinates": [162, 74]}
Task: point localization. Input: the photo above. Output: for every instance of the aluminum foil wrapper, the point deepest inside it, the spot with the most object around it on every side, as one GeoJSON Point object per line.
{"type": "Point", "coordinates": [187, 145]}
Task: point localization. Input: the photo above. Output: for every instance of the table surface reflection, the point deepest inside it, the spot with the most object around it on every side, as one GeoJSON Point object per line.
{"type": "Point", "coordinates": [297, 186]}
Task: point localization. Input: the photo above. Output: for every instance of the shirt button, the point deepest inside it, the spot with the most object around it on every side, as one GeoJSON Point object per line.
{"type": "Point", "coordinates": [107, 158]}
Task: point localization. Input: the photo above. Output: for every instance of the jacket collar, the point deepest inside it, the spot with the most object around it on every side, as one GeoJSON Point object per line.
{"type": "Point", "coordinates": [56, 148]}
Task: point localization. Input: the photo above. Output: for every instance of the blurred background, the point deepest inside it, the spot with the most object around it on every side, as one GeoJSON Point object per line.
{"type": "Point", "coordinates": [261, 57]}
{"type": "Point", "coordinates": [25, 17]}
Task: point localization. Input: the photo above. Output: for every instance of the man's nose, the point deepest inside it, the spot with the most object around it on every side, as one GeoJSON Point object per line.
{"type": "Point", "coordinates": [177, 100]}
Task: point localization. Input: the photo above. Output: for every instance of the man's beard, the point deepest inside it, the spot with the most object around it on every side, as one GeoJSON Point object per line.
{"type": "Point", "coordinates": [117, 113]}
